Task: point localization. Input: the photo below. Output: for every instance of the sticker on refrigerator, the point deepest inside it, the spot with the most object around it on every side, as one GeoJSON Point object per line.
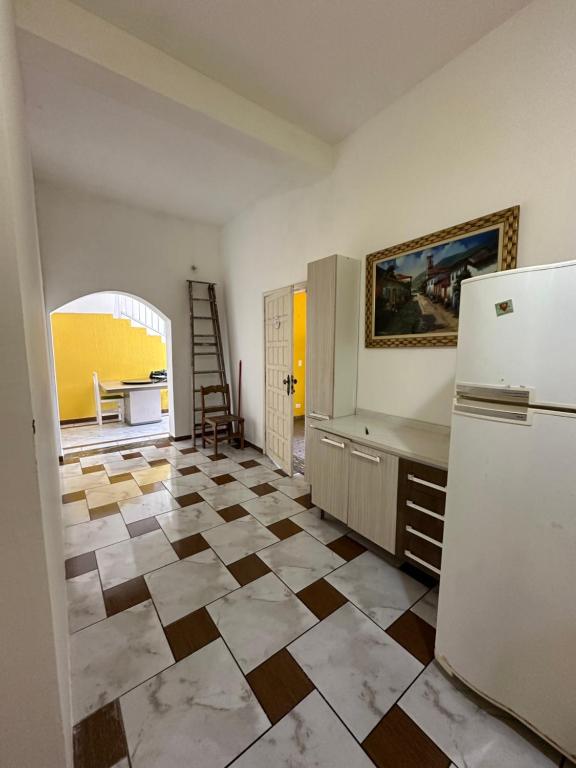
{"type": "Point", "coordinates": [504, 307]}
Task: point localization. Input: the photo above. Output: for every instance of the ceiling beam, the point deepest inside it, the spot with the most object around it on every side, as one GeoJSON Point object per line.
{"type": "Point", "coordinates": [122, 61]}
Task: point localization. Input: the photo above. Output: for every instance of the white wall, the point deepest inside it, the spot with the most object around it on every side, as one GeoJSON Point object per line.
{"type": "Point", "coordinates": [35, 716]}
{"type": "Point", "coordinates": [90, 244]}
{"type": "Point", "coordinates": [495, 127]}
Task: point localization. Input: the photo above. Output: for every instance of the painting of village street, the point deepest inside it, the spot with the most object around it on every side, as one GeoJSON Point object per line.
{"type": "Point", "coordinates": [418, 292]}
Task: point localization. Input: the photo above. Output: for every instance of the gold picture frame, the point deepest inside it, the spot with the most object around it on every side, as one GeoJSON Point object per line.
{"type": "Point", "coordinates": [413, 289]}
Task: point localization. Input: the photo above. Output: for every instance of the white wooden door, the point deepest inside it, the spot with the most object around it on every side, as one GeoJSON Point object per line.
{"type": "Point", "coordinates": [278, 371]}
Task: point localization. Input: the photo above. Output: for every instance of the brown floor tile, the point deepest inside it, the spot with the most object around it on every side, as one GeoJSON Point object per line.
{"type": "Point", "coordinates": [121, 478]}
{"type": "Point", "coordinates": [188, 470]}
{"type": "Point", "coordinates": [232, 513]}
{"type": "Point", "coordinates": [346, 548]}
{"type": "Point", "coordinates": [75, 496]}
{"type": "Point", "coordinates": [263, 489]}
{"type": "Point", "coordinates": [217, 456]}
{"type": "Point", "coordinates": [125, 595]}
{"type": "Point", "coordinates": [135, 455]}
{"type": "Point", "coordinates": [397, 742]}
{"type": "Point", "coordinates": [223, 479]}
{"type": "Point", "coordinates": [279, 684]}
{"type": "Point", "coordinates": [70, 460]}
{"type": "Point", "coordinates": [95, 468]}
{"type": "Point", "coordinates": [104, 511]}
{"type": "Point", "coordinates": [186, 451]}
{"type": "Point", "coordinates": [305, 500]}
{"type": "Point", "coordinates": [142, 526]}
{"type": "Point", "coordinates": [99, 740]}
{"type": "Point", "coordinates": [152, 488]}
{"type": "Point", "coordinates": [188, 499]}
{"type": "Point", "coordinates": [191, 545]}
{"type": "Point", "coordinates": [191, 633]}
{"type": "Point", "coordinates": [321, 598]}
{"type": "Point", "coordinates": [76, 566]}
{"type": "Point", "coordinates": [248, 464]}
{"type": "Point", "coordinates": [158, 462]}
{"type": "Point", "coordinates": [414, 634]}
{"type": "Point", "coordinates": [281, 472]}
{"type": "Point", "coordinates": [165, 442]}
{"type": "Point", "coordinates": [284, 529]}
{"type": "Point", "coordinates": [248, 569]}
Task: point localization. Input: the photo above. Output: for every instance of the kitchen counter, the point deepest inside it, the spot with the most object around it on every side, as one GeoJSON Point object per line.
{"type": "Point", "coordinates": [407, 438]}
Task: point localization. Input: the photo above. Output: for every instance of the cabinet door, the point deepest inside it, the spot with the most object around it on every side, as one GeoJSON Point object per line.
{"type": "Point", "coordinates": [327, 459]}
{"type": "Point", "coordinates": [320, 330]}
{"type": "Point", "coordinates": [372, 494]}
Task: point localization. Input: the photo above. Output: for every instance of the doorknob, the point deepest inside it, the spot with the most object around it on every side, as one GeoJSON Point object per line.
{"type": "Point", "coordinates": [294, 381]}
{"type": "Point", "coordinates": [287, 384]}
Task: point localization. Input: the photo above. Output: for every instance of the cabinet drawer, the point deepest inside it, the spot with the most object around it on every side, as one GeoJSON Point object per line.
{"type": "Point", "coordinates": [429, 555]}
{"type": "Point", "coordinates": [425, 523]}
{"type": "Point", "coordinates": [432, 478]}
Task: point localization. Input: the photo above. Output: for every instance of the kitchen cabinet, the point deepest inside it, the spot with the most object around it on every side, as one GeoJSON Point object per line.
{"type": "Point", "coordinates": [372, 495]}
{"type": "Point", "coordinates": [328, 458]}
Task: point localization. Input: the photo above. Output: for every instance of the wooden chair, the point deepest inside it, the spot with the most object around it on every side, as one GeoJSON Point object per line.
{"type": "Point", "coordinates": [226, 419]}
{"type": "Point", "coordinates": [116, 400]}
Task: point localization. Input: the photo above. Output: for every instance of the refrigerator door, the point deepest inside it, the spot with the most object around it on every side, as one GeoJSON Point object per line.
{"type": "Point", "coordinates": [517, 329]}
{"type": "Point", "coordinates": [507, 612]}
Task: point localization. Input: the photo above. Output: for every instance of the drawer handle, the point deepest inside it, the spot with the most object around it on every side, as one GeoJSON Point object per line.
{"type": "Point", "coordinates": [375, 459]}
{"type": "Point", "coordinates": [319, 416]}
{"type": "Point", "coordinates": [422, 562]}
{"type": "Point", "coordinates": [331, 442]}
{"type": "Point", "coordinates": [427, 483]}
{"type": "Point", "coordinates": [412, 505]}
{"type": "Point", "coordinates": [423, 536]}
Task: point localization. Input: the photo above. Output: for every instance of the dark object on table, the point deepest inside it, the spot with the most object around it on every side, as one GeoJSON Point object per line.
{"type": "Point", "coordinates": [158, 375]}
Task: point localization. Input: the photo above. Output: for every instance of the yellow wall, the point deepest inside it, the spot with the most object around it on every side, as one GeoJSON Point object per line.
{"type": "Point", "coordinates": [300, 352]}
{"type": "Point", "coordinates": [84, 343]}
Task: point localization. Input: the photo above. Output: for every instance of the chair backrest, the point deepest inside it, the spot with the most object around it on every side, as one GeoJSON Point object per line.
{"type": "Point", "coordinates": [96, 385]}
{"type": "Point", "coordinates": [214, 389]}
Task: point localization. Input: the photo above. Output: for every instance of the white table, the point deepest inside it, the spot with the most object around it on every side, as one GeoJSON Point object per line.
{"type": "Point", "coordinates": [142, 403]}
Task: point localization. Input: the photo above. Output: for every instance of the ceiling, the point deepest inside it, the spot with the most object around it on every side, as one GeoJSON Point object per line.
{"type": "Point", "coordinates": [326, 65]}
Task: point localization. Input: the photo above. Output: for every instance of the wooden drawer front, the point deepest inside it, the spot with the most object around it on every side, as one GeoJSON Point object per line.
{"type": "Point", "coordinates": [420, 521]}
{"type": "Point", "coordinates": [429, 476]}
{"type": "Point", "coordinates": [434, 502]}
{"type": "Point", "coordinates": [429, 554]}
{"type": "Point", "coordinates": [329, 473]}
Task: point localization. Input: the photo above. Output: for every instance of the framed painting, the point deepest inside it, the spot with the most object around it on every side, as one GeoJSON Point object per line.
{"type": "Point", "coordinates": [413, 289]}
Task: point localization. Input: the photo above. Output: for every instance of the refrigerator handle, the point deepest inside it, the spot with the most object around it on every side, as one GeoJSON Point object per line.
{"type": "Point", "coordinates": [515, 415]}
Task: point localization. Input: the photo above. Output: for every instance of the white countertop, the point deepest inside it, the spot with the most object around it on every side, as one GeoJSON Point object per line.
{"type": "Point", "coordinates": [408, 438]}
{"type": "Point", "coordinates": [117, 386]}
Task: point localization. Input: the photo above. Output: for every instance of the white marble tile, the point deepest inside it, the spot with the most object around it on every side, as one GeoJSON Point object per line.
{"type": "Point", "coordinates": [221, 496]}
{"type": "Point", "coordinates": [181, 486]}
{"type": "Point", "coordinates": [94, 534]}
{"type": "Point", "coordinates": [85, 601]}
{"type": "Point", "coordinates": [75, 512]}
{"type": "Point", "coordinates": [147, 505]}
{"type": "Point", "coordinates": [188, 521]}
{"type": "Point", "coordinates": [83, 482]}
{"type": "Point", "coordinates": [266, 461]}
{"type": "Point", "coordinates": [239, 455]}
{"type": "Point", "coordinates": [300, 560]}
{"type": "Point", "coordinates": [356, 666]}
{"type": "Point", "coordinates": [134, 557]}
{"type": "Point", "coordinates": [260, 619]}
{"type": "Point", "coordinates": [154, 474]}
{"type": "Point", "coordinates": [326, 530]}
{"type": "Point", "coordinates": [182, 444]}
{"type": "Point", "coordinates": [126, 465]}
{"type": "Point", "coordinates": [272, 507]}
{"type": "Point", "coordinates": [98, 497]}
{"type": "Point", "coordinates": [380, 590]}
{"type": "Point", "coordinates": [292, 486]}
{"type": "Point", "coordinates": [70, 470]}
{"type": "Point", "coordinates": [201, 712]}
{"type": "Point", "coordinates": [122, 764]}
{"type": "Point", "coordinates": [99, 458]}
{"type": "Point", "coordinates": [189, 584]}
{"type": "Point", "coordinates": [151, 453]}
{"type": "Point", "coordinates": [188, 460]}
{"type": "Point", "coordinates": [114, 655]}
{"type": "Point", "coordinates": [459, 723]}
{"type": "Point", "coordinates": [427, 607]}
{"type": "Point", "coordinates": [222, 467]}
{"type": "Point", "coordinates": [239, 538]}
{"type": "Point", "coordinates": [255, 476]}
{"type": "Point", "coordinates": [310, 736]}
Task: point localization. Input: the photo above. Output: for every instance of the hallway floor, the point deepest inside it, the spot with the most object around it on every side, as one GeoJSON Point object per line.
{"type": "Point", "coordinates": [217, 621]}
{"type": "Point", "coordinates": [81, 435]}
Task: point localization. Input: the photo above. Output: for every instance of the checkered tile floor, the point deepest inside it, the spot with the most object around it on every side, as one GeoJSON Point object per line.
{"type": "Point", "coordinates": [217, 621]}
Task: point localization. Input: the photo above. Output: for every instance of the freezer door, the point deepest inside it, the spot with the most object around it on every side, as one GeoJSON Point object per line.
{"type": "Point", "coordinates": [507, 613]}
{"type": "Point", "coordinates": [530, 343]}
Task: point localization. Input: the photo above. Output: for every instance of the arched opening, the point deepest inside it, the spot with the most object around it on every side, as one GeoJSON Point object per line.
{"type": "Point", "coordinates": [109, 349]}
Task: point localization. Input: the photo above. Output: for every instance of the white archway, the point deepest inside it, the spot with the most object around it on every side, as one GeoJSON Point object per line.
{"type": "Point", "coordinates": [168, 336]}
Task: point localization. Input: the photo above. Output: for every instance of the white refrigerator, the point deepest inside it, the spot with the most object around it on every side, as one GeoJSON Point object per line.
{"type": "Point", "coordinates": [507, 609]}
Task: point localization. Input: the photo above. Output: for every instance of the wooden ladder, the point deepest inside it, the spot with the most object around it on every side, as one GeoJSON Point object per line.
{"type": "Point", "coordinates": [207, 353]}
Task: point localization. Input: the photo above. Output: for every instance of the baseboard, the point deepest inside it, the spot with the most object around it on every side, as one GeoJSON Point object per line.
{"type": "Point", "coordinates": [180, 437]}
{"type": "Point", "coordinates": [252, 445]}
{"type": "Point", "coordinates": [87, 420]}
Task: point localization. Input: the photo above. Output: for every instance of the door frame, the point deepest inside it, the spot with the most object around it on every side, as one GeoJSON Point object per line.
{"type": "Point", "coordinates": [294, 288]}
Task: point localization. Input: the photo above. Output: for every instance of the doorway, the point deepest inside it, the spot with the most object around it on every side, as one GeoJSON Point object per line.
{"type": "Point", "coordinates": [105, 347]}
{"type": "Point", "coordinates": [299, 372]}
